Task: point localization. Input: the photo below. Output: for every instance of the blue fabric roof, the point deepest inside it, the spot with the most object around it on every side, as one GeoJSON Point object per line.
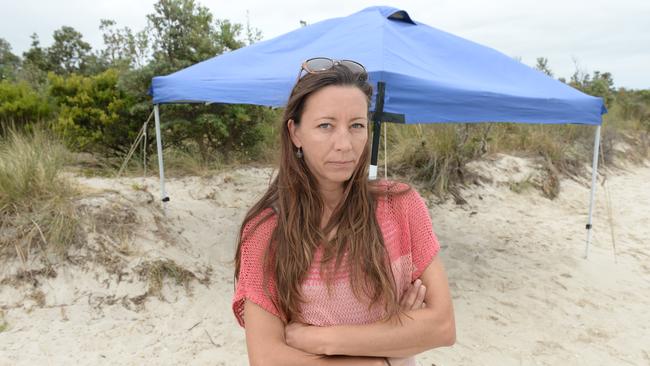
{"type": "Point", "coordinates": [430, 75]}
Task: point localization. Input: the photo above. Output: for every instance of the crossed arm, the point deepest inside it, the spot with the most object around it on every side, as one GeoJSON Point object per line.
{"type": "Point", "coordinates": [265, 340]}
{"type": "Point", "coordinates": [269, 342]}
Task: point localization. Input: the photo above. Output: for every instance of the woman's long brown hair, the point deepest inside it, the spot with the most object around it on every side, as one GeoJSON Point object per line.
{"type": "Point", "coordinates": [294, 195]}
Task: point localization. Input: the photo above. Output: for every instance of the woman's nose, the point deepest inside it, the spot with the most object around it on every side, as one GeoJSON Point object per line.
{"type": "Point", "coordinates": [343, 140]}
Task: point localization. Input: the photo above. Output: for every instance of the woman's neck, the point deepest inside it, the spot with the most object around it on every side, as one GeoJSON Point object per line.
{"type": "Point", "coordinates": [331, 197]}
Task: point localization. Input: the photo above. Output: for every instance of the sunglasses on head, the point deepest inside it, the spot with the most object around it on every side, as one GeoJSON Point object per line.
{"type": "Point", "coordinates": [320, 64]}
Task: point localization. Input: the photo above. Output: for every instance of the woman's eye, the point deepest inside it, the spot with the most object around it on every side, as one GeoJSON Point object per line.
{"type": "Point", "coordinates": [358, 125]}
{"type": "Point", "coordinates": [325, 125]}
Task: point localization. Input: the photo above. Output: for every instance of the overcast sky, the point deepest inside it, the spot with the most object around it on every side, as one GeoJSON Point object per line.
{"type": "Point", "coordinates": [611, 36]}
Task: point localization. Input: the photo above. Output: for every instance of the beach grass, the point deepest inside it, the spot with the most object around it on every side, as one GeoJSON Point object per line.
{"type": "Point", "coordinates": [36, 199]}
{"type": "Point", "coordinates": [435, 155]}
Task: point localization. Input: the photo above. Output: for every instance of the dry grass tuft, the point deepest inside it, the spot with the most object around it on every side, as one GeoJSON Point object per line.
{"type": "Point", "coordinates": [111, 222]}
{"type": "Point", "coordinates": [522, 186]}
{"type": "Point", "coordinates": [37, 211]}
{"type": "Point", "coordinates": [28, 277]}
{"type": "Point", "coordinates": [3, 323]}
{"type": "Point", "coordinates": [118, 221]}
{"type": "Point", "coordinates": [157, 271]}
{"type": "Point", "coordinates": [38, 296]}
{"type": "Point", "coordinates": [551, 180]}
{"type": "Point", "coordinates": [435, 155]}
{"type": "Point", "coordinates": [566, 147]}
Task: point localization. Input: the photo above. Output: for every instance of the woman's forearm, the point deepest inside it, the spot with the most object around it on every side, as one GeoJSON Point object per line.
{"type": "Point", "coordinates": [285, 355]}
{"type": "Point", "coordinates": [422, 330]}
{"type": "Point", "coordinates": [418, 329]}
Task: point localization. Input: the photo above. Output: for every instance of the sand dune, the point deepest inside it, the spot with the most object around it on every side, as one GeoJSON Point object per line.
{"type": "Point", "coordinates": [523, 293]}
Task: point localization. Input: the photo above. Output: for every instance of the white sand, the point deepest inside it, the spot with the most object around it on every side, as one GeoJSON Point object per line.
{"type": "Point", "coordinates": [523, 293]}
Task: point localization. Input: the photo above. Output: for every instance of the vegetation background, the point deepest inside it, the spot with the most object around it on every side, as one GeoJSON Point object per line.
{"type": "Point", "coordinates": [69, 107]}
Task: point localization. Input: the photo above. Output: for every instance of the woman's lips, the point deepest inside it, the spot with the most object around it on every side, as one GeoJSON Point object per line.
{"type": "Point", "coordinates": [341, 163]}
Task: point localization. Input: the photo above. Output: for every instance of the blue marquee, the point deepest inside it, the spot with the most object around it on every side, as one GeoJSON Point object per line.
{"type": "Point", "coordinates": [430, 76]}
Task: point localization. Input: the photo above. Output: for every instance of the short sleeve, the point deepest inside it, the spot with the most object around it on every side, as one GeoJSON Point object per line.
{"type": "Point", "coordinates": [424, 243]}
{"type": "Point", "coordinates": [250, 285]}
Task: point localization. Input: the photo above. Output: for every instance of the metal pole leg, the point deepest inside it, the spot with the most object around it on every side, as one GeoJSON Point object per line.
{"type": "Point", "coordinates": [594, 174]}
{"type": "Point", "coordinates": [161, 167]}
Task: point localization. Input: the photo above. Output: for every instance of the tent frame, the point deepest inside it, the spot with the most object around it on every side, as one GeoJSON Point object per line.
{"type": "Point", "coordinates": [594, 173]}
{"type": "Point", "coordinates": [378, 117]}
{"type": "Point", "coordinates": [161, 167]}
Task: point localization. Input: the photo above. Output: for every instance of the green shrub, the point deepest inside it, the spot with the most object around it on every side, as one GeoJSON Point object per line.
{"type": "Point", "coordinates": [222, 131]}
{"type": "Point", "coordinates": [20, 104]}
{"type": "Point", "coordinates": [94, 113]}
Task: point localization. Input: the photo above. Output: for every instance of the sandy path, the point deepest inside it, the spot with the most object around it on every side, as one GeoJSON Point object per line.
{"type": "Point", "coordinates": [523, 294]}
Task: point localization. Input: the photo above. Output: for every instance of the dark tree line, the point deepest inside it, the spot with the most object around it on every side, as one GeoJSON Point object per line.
{"type": "Point", "coordinates": [97, 100]}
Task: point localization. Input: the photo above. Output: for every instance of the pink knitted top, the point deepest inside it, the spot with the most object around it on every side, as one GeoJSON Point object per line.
{"type": "Point", "coordinates": [410, 242]}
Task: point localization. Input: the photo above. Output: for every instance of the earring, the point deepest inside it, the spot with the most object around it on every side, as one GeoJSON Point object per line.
{"type": "Point", "coordinates": [299, 153]}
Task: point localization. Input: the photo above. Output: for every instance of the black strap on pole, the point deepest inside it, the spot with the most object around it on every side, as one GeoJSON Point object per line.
{"type": "Point", "coordinates": [376, 119]}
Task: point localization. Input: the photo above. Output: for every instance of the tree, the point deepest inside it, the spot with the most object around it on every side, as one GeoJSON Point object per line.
{"type": "Point", "coordinates": [124, 48]}
{"type": "Point", "coordinates": [599, 84]}
{"type": "Point", "coordinates": [542, 65]}
{"type": "Point", "coordinates": [9, 63]}
{"type": "Point", "coordinates": [69, 53]}
{"type": "Point", "coordinates": [252, 34]}
{"type": "Point", "coordinates": [183, 34]}
{"type": "Point", "coordinates": [35, 65]}
{"type": "Point", "coordinates": [228, 34]}
{"type": "Point", "coordinates": [36, 55]}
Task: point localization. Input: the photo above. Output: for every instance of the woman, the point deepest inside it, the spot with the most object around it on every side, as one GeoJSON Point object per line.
{"type": "Point", "coordinates": [331, 268]}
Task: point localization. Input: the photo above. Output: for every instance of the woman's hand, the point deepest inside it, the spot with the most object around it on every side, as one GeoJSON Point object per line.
{"type": "Point", "coordinates": [306, 338]}
{"type": "Point", "coordinates": [309, 339]}
{"type": "Point", "coordinates": [303, 337]}
{"type": "Point", "coordinates": [413, 297]}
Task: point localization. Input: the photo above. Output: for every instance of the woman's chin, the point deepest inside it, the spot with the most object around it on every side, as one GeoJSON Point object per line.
{"type": "Point", "coordinates": [339, 177]}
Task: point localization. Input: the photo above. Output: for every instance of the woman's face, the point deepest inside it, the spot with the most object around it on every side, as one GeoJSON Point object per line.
{"type": "Point", "coordinates": [333, 131]}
